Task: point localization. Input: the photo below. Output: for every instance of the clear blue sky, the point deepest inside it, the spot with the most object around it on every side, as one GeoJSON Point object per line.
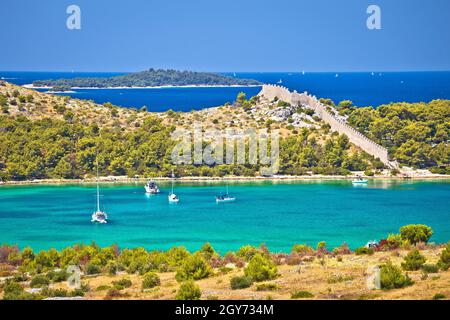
{"type": "Point", "coordinates": [218, 35]}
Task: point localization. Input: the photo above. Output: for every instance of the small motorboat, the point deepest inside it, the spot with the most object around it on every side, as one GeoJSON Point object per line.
{"type": "Point", "coordinates": [151, 188]}
{"type": "Point", "coordinates": [359, 181]}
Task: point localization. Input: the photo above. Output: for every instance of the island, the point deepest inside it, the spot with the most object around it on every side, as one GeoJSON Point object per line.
{"type": "Point", "coordinates": [148, 78]}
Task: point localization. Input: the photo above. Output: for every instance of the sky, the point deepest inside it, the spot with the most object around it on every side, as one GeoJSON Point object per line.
{"type": "Point", "coordinates": [225, 36]}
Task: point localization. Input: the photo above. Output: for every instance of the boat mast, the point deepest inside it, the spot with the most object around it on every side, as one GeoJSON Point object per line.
{"type": "Point", "coordinates": [172, 181]}
{"type": "Point", "coordinates": [98, 190]}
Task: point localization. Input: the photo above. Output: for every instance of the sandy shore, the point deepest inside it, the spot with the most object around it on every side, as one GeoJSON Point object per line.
{"type": "Point", "coordinates": [125, 179]}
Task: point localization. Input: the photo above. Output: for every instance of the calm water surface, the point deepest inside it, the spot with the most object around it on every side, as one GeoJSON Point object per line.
{"type": "Point", "coordinates": [279, 214]}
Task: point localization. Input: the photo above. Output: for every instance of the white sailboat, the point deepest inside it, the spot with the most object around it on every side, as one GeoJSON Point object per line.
{"type": "Point", "coordinates": [280, 81]}
{"type": "Point", "coordinates": [99, 216]}
{"type": "Point", "coordinates": [225, 198]}
{"type": "Point", "coordinates": [173, 198]}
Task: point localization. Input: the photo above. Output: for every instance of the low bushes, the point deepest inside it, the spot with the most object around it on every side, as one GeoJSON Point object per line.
{"type": "Point", "coordinates": [364, 250]}
{"type": "Point", "coordinates": [189, 290]}
{"type": "Point", "coordinates": [267, 287]}
{"type": "Point", "coordinates": [444, 260]}
{"type": "Point", "coordinates": [150, 280]}
{"type": "Point", "coordinates": [39, 281]}
{"type": "Point", "coordinates": [301, 295]}
{"type": "Point", "coordinates": [194, 267]}
{"type": "Point", "coordinates": [261, 268]}
{"type": "Point", "coordinates": [391, 277]}
{"type": "Point", "coordinates": [415, 233]}
{"type": "Point", "coordinates": [122, 284]}
{"type": "Point", "coordinates": [241, 282]}
{"type": "Point", "coordinates": [430, 268]}
{"type": "Point", "coordinates": [413, 261]}
{"type": "Point", "coordinates": [92, 269]}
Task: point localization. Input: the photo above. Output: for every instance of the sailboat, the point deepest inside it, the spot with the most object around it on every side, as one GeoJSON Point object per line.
{"type": "Point", "coordinates": [173, 198]}
{"type": "Point", "coordinates": [225, 198]}
{"type": "Point", "coordinates": [99, 216]}
{"type": "Point", "coordinates": [280, 81]}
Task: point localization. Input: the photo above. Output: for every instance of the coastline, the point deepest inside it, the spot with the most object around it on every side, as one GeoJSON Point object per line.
{"type": "Point", "coordinates": [31, 86]}
{"type": "Point", "coordinates": [124, 179]}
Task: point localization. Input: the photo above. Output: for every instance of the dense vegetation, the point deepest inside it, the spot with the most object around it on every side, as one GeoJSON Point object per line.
{"type": "Point", "coordinates": [48, 148]}
{"type": "Point", "coordinates": [416, 134]}
{"type": "Point", "coordinates": [149, 78]}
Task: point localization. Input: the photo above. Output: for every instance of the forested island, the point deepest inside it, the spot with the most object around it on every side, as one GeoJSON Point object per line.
{"type": "Point", "coordinates": [149, 78]}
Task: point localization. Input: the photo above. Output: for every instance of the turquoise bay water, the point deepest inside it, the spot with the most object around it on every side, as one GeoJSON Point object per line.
{"type": "Point", "coordinates": [278, 214]}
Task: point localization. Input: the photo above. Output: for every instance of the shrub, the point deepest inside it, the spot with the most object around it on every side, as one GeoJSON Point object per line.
{"type": "Point", "coordinates": [444, 260]}
{"type": "Point", "coordinates": [150, 280]}
{"type": "Point", "coordinates": [92, 269]}
{"type": "Point", "coordinates": [58, 276]}
{"type": "Point", "coordinates": [393, 241]}
{"type": "Point", "coordinates": [241, 282]}
{"type": "Point", "coordinates": [430, 268]}
{"type": "Point", "coordinates": [39, 281]}
{"type": "Point", "coordinates": [342, 249]}
{"type": "Point", "coordinates": [261, 268]}
{"type": "Point", "coordinates": [189, 290]}
{"type": "Point", "coordinates": [302, 249]}
{"type": "Point", "coordinates": [194, 267]}
{"type": "Point", "coordinates": [391, 277]}
{"type": "Point", "coordinates": [415, 233]}
{"type": "Point", "coordinates": [301, 295]}
{"type": "Point", "coordinates": [207, 251]}
{"type": "Point", "coordinates": [439, 296]}
{"type": "Point", "coordinates": [339, 278]}
{"type": "Point", "coordinates": [266, 287]}
{"type": "Point", "coordinates": [322, 246]}
{"type": "Point", "coordinates": [413, 261]}
{"type": "Point", "coordinates": [247, 252]}
{"type": "Point", "coordinates": [122, 283]}
{"type": "Point", "coordinates": [114, 293]}
{"type": "Point", "coordinates": [14, 291]}
{"type": "Point", "coordinates": [364, 250]}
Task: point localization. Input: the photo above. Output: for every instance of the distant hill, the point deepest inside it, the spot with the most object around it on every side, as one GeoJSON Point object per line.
{"type": "Point", "coordinates": [149, 78]}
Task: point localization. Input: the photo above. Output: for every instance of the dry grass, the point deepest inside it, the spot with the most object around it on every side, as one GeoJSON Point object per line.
{"type": "Point", "coordinates": [335, 279]}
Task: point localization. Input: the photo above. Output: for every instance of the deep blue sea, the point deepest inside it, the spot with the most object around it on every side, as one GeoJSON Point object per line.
{"type": "Point", "coordinates": [278, 214]}
{"type": "Point", "coordinates": [363, 88]}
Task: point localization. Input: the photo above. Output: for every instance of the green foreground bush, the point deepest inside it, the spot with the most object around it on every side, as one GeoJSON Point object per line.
{"type": "Point", "coordinates": [261, 268]}
{"type": "Point", "coordinates": [189, 290]}
{"type": "Point", "coordinates": [391, 277]}
{"type": "Point", "coordinates": [150, 280]}
{"type": "Point", "coordinates": [241, 282]}
{"type": "Point", "coordinates": [413, 261]}
{"type": "Point", "coordinates": [194, 267]}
